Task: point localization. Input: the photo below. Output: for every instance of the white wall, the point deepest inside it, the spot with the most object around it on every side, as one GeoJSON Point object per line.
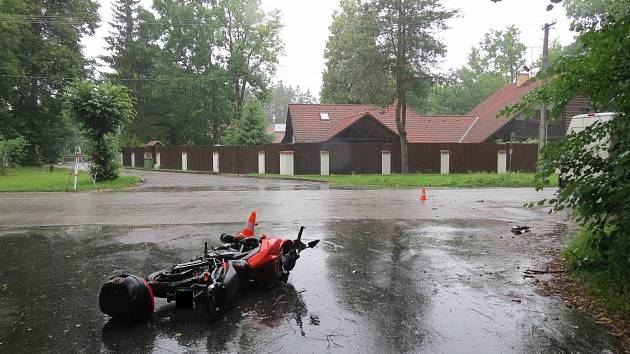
{"type": "Point", "coordinates": [324, 163]}
{"type": "Point", "coordinates": [386, 162]}
{"type": "Point", "coordinates": [261, 162]}
{"type": "Point", "coordinates": [444, 162]}
{"type": "Point", "coordinates": [286, 163]}
{"type": "Point", "coordinates": [215, 162]}
{"type": "Point", "coordinates": [184, 161]}
{"type": "Point", "coordinates": [501, 161]}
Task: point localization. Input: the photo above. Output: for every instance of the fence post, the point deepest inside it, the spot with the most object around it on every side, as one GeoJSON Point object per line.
{"type": "Point", "coordinates": [157, 159]}
{"type": "Point", "coordinates": [133, 159]}
{"type": "Point", "coordinates": [324, 162]}
{"type": "Point", "coordinates": [444, 162]}
{"type": "Point", "coordinates": [261, 162]}
{"type": "Point", "coordinates": [286, 163]}
{"type": "Point", "coordinates": [386, 162]}
{"type": "Point", "coordinates": [501, 161]}
{"type": "Point", "coordinates": [215, 161]}
{"type": "Point", "coordinates": [122, 159]}
{"type": "Point", "coordinates": [184, 161]}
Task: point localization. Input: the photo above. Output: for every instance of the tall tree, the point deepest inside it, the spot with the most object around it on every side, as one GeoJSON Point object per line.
{"type": "Point", "coordinates": [121, 40]}
{"type": "Point", "coordinates": [41, 56]}
{"type": "Point", "coordinates": [131, 55]}
{"type": "Point", "coordinates": [189, 83]}
{"type": "Point", "coordinates": [212, 56]}
{"type": "Point", "coordinates": [251, 40]}
{"type": "Point", "coordinates": [408, 42]}
{"type": "Point", "coordinates": [355, 69]}
{"type": "Point", "coordinates": [502, 52]}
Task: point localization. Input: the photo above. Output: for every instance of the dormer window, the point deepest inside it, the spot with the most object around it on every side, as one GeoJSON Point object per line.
{"type": "Point", "coordinates": [324, 116]}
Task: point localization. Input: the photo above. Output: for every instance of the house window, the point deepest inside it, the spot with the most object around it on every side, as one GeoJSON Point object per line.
{"type": "Point", "coordinates": [324, 116]}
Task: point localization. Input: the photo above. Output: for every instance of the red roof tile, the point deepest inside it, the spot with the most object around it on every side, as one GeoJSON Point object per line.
{"type": "Point", "coordinates": [488, 123]}
{"type": "Point", "coordinates": [307, 126]}
{"type": "Point", "coordinates": [348, 121]}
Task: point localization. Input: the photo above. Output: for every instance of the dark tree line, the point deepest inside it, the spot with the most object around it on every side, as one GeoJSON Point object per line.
{"type": "Point", "coordinates": [191, 66]}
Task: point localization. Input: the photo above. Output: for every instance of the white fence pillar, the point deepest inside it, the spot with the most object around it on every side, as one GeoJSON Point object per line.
{"type": "Point", "coordinates": [215, 162]}
{"type": "Point", "coordinates": [121, 159]}
{"type": "Point", "coordinates": [133, 159]}
{"type": "Point", "coordinates": [386, 162]}
{"type": "Point", "coordinates": [286, 163]}
{"type": "Point", "coordinates": [261, 162]}
{"type": "Point", "coordinates": [324, 163]}
{"type": "Point", "coordinates": [501, 161]}
{"type": "Point", "coordinates": [184, 161]}
{"type": "Point", "coordinates": [444, 162]}
{"type": "Point", "coordinates": [157, 159]}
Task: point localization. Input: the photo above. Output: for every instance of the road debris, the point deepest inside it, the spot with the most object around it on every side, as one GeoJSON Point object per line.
{"type": "Point", "coordinates": [519, 230]}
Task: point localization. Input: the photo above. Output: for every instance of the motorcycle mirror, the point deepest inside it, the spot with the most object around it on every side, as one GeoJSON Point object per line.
{"type": "Point", "coordinates": [313, 243]}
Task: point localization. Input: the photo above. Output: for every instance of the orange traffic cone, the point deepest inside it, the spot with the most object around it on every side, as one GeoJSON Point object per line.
{"type": "Point", "coordinates": [248, 231]}
{"type": "Point", "coordinates": [423, 195]}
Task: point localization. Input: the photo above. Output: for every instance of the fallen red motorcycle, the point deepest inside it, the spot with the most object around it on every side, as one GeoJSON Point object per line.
{"type": "Point", "coordinates": [212, 280]}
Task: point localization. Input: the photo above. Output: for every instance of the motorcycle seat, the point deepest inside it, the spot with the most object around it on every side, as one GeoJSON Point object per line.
{"type": "Point", "coordinates": [234, 254]}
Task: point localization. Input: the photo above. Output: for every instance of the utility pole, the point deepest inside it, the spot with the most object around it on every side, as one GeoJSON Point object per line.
{"type": "Point", "coordinates": [542, 128]}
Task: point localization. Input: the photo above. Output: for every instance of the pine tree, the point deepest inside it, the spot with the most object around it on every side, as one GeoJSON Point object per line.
{"type": "Point", "coordinates": [121, 40]}
{"type": "Point", "coordinates": [251, 128]}
{"type": "Point", "coordinates": [131, 54]}
{"type": "Point", "coordinates": [407, 38]}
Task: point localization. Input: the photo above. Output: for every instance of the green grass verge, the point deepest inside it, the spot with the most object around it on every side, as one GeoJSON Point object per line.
{"type": "Point", "coordinates": [465, 180]}
{"type": "Point", "coordinates": [39, 179]}
{"type": "Point", "coordinates": [607, 287]}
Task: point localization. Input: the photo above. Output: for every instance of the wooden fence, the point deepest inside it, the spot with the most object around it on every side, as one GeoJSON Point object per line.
{"type": "Point", "coordinates": [344, 158]}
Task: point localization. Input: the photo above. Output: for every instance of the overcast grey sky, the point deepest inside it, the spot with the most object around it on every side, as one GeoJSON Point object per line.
{"type": "Point", "coordinates": [306, 31]}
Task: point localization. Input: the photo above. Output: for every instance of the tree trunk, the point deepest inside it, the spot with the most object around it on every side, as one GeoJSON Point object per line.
{"type": "Point", "coordinates": [401, 104]}
{"type": "Point", "coordinates": [401, 118]}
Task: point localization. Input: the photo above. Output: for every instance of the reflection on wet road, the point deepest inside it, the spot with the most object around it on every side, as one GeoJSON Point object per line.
{"type": "Point", "coordinates": [385, 285]}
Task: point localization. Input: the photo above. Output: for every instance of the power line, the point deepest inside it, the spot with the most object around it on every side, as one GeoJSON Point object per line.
{"type": "Point", "coordinates": [174, 78]}
{"type": "Point", "coordinates": [185, 21]}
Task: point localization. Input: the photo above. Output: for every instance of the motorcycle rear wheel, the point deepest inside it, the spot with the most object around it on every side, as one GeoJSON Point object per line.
{"type": "Point", "coordinates": [164, 282]}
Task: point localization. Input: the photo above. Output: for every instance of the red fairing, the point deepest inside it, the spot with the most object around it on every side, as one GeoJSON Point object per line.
{"type": "Point", "coordinates": [269, 251]}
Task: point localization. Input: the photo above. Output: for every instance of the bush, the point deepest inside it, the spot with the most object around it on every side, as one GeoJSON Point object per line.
{"type": "Point", "coordinates": [11, 151]}
{"type": "Point", "coordinates": [251, 128]}
{"type": "Point", "coordinates": [603, 279]}
{"type": "Point", "coordinates": [100, 110]}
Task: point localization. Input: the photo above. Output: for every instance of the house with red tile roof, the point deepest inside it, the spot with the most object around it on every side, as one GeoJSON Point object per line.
{"type": "Point", "coordinates": [315, 123]}
{"type": "Point", "coordinates": [490, 127]}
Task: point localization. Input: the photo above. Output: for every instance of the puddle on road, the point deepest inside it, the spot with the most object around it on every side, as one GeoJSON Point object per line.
{"type": "Point", "coordinates": [371, 286]}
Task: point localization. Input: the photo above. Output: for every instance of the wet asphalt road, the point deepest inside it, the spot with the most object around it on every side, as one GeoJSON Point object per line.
{"type": "Point", "coordinates": [392, 274]}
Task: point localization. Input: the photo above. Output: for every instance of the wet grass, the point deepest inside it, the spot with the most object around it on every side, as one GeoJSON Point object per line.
{"type": "Point", "coordinates": [465, 180]}
{"type": "Point", "coordinates": [40, 179]}
{"type": "Point", "coordinates": [607, 287]}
